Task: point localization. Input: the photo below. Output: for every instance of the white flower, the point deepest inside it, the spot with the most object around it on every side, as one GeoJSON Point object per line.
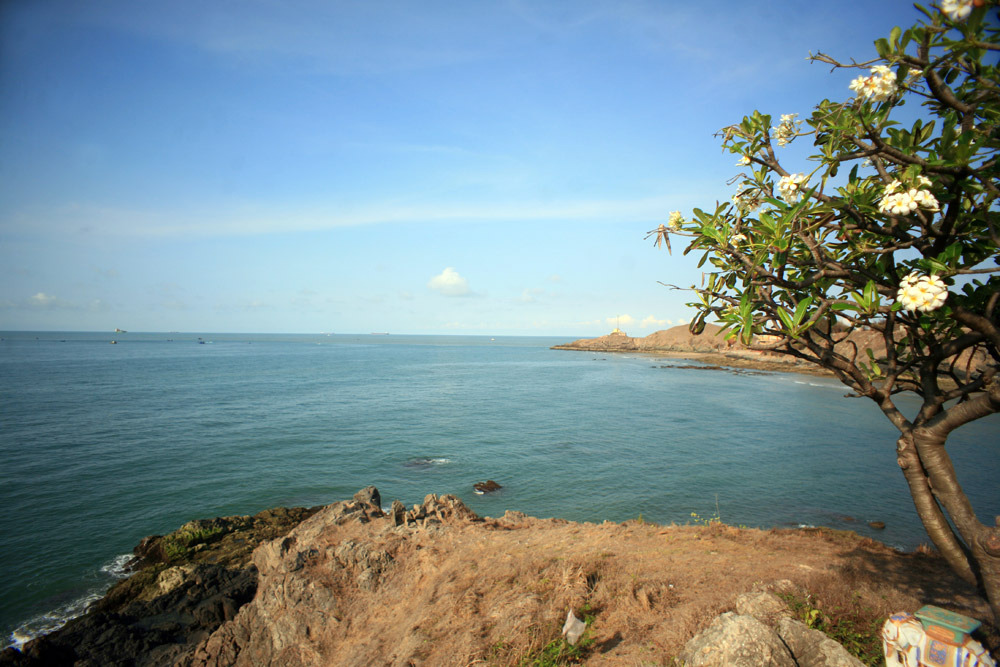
{"type": "Point", "coordinates": [787, 130]}
{"type": "Point", "coordinates": [921, 292]}
{"type": "Point", "coordinates": [879, 86]}
{"type": "Point", "coordinates": [743, 161]}
{"type": "Point", "coordinates": [737, 238]}
{"type": "Point", "coordinates": [898, 203]}
{"type": "Point", "coordinates": [925, 199]}
{"type": "Point", "coordinates": [790, 185]}
{"type": "Point", "coordinates": [956, 10]}
{"type": "Point", "coordinates": [897, 200]}
{"type": "Point", "coordinates": [910, 280]}
{"type": "Point", "coordinates": [676, 220]}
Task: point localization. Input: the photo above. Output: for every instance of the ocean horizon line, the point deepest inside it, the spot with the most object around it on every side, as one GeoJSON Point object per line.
{"type": "Point", "coordinates": [286, 333]}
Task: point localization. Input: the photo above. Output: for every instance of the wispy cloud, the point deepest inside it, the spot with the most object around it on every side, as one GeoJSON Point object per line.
{"type": "Point", "coordinates": [530, 294]}
{"type": "Point", "coordinates": [45, 301]}
{"type": "Point", "coordinates": [338, 38]}
{"type": "Point", "coordinates": [250, 220]}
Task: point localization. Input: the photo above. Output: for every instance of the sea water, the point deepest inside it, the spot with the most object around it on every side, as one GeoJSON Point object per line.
{"type": "Point", "coordinates": [102, 444]}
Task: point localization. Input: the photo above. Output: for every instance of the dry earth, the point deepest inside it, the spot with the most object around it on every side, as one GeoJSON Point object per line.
{"type": "Point", "coordinates": [454, 589]}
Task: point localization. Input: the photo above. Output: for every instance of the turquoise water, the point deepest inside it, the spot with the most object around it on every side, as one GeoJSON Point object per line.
{"type": "Point", "coordinates": [103, 444]}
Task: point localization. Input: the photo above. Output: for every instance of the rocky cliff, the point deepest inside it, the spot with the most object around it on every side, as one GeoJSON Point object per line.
{"type": "Point", "coordinates": [436, 584]}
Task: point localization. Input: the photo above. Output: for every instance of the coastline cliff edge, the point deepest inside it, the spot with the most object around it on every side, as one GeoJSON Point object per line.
{"type": "Point", "coordinates": [353, 584]}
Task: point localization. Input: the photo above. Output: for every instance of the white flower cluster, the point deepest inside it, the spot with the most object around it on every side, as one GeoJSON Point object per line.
{"type": "Point", "coordinates": [737, 238]}
{"type": "Point", "coordinates": [879, 86]}
{"type": "Point", "coordinates": [787, 130]}
{"type": "Point", "coordinates": [791, 187]}
{"type": "Point", "coordinates": [675, 221]}
{"type": "Point", "coordinates": [747, 200]}
{"type": "Point", "coordinates": [920, 292]}
{"type": "Point", "coordinates": [898, 200]}
{"type": "Point", "coordinates": [957, 10]}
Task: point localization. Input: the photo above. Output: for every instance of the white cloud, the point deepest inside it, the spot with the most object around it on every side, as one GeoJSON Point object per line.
{"type": "Point", "coordinates": [44, 300]}
{"type": "Point", "coordinates": [651, 321]}
{"type": "Point", "coordinates": [449, 283]}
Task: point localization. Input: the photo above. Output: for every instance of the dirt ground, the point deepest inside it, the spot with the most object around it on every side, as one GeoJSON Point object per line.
{"type": "Point", "coordinates": [496, 592]}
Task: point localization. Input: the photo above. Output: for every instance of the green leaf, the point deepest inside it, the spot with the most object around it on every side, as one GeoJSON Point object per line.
{"type": "Point", "coordinates": [785, 318]}
{"type": "Point", "coordinates": [841, 305]}
{"type": "Point", "coordinates": [800, 310]}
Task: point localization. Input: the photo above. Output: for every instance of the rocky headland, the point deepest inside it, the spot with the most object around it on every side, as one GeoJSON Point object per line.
{"type": "Point", "coordinates": [435, 584]}
{"type": "Point", "coordinates": [709, 347]}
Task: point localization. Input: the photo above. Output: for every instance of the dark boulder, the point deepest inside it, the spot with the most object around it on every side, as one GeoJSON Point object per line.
{"type": "Point", "coordinates": [486, 487]}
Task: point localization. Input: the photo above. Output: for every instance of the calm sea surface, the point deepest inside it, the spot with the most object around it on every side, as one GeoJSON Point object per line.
{"type": "Point", "coordinates": [103, 444]}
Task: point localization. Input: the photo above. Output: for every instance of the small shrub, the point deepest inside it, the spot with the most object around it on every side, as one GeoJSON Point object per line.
{"type": "Point", "coordinates": [855, 627]}
{"type": "Point", "coordinates": [559, 652]}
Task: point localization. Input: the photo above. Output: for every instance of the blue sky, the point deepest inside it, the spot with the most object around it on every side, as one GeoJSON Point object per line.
{"type": "Point", "coordinates": [412, 167]}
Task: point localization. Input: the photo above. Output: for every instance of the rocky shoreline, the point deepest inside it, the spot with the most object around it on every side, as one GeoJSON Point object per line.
{"type": "Point", "coordinates": [709, 347]}
{"type": "Point", "coordinates": [351, 584]}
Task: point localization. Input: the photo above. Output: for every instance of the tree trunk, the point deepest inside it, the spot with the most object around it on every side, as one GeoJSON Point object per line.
{"type": "Point", "coordinates": [935, 523]}
{"type": "Point", "coordinates": [934, 487]}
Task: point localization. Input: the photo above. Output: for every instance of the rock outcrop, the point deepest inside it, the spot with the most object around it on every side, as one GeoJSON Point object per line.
{"type": "Point", "coordinates": [736, 641]}
{"type": "Point", "coordinates": [762, 632]}
{"type": "Point", "coordinates": [184, 586]}
{"type": "Point", "coordinates": [676, 339]}
{"type": "Point", "coordinates": [304, 581]}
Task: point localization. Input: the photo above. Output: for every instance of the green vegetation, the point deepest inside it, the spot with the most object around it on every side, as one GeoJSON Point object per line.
{"type": "Point", "coordinates": [878, 259]}
{"type": "Point", "coordinates": [178, 545]}
{"type": "Point", "coordinates": [857, 628]}
{"type": "Point", "coordinates": [560, 652]}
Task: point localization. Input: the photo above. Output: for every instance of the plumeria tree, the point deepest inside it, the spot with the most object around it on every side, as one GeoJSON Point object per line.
{"type": "Point", "coordinates": [879, 260]}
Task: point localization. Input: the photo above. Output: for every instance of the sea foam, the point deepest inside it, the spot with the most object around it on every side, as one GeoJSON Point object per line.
{"type": "Point", "coordinates": [116, 569]}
